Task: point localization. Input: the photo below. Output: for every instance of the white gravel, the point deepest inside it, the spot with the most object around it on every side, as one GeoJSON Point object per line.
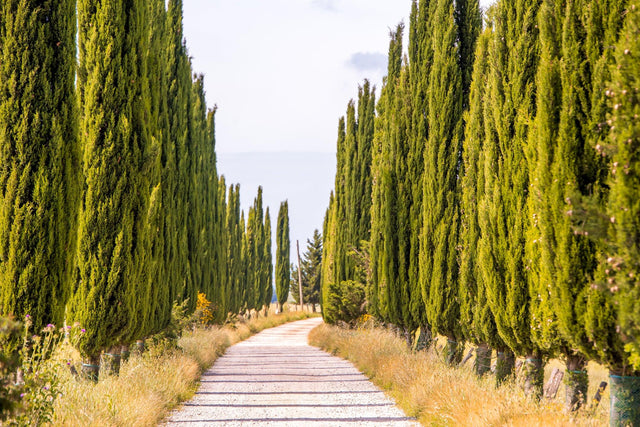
{"type": "Point", "coordinates": [276, 379]}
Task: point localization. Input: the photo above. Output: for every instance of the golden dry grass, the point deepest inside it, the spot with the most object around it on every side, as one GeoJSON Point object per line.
{"type": "Point", "coordinates": [152, 384]}
{"type": "Point", "coordinates": [425, 388]}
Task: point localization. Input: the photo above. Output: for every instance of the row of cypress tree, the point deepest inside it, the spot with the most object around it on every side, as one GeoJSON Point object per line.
{"type": "Point", "coordinates": [504, 190]}
{"type": "Point", "coordinates": [111, 208]}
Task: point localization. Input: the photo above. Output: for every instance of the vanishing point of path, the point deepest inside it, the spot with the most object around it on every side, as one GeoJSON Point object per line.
{"type": "Point", "coordinates": [276, 379]}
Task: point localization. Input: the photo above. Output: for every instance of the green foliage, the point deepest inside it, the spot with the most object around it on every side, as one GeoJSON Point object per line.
{"type": "Point", "coordinates": [39, 158]}
{"type": "Point", "coordinates": [623, 207]}
{"type": "Point", "coordinates": [348, 219]}
{"type": "Point", "coordinates": [513, 59]}
{"type": "Point", "coordinates": [311, 272]}
{"type": "Point", "coordinates": [346, 302]}
{"type": "Point", "coordinates": [283, 273]}
{"type": "Point", "coordinates": [476, 318]}
{"type": "Point", "coordinates": [111, 259]}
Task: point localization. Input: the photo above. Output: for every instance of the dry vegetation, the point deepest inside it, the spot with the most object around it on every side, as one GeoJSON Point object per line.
{"type": "Point", "coordinates": [425, 388]}
{"type": "Point", "coordinates": [150, 385]}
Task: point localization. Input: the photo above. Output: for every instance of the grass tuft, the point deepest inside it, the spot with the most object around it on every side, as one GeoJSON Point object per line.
{"type": "Point", "coordinates": [152, 384]}
{"type": "Point", "coordinates": [426, 388]}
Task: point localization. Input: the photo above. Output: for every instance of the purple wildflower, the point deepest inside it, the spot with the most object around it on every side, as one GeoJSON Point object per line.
{"type": "Point", "coordinates": [83, 330]}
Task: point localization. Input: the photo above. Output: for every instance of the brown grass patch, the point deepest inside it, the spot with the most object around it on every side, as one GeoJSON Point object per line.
{"type": "Point", "coordinates": [425, 388]}
{"type": "Point", "coordinates": [152, 384]}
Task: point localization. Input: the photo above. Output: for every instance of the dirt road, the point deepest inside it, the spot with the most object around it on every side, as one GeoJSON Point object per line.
{"type": "Point", "coordinates": [276, 379]}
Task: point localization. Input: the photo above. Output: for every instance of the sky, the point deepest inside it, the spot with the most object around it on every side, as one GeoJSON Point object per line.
{"type": "Point", "coordinates": [282, 71]}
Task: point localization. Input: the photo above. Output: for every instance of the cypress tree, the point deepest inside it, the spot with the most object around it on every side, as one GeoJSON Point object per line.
{"type": "Point", "coordinates": [328, 266]}
{"type": "Point", "coordinates": [420, 63]}
{"type": "Point", "coordinates": [39, 158]}
{"type": "Point", "coordinates": [283, 274]}
{"type": "Point", "coordinates": [381, 291]}
{"type": "Point", "coordinates": [157, 310]}
{"type": "Point", "coordinates": [235, 233]}
{"type": "Point", "coordinates": [113, 212]}
{"type": "Point", "coordinates": [438, 253]}
{"type": "Point", "coordinates": [622, 264]}
{"type": "Point", "coordinates": [513, 65]}
{"type": "Point", "coordinates": [476, 318]}
{"type": "Point", "coordinates": [267, 265]}
{"type": "Point", "coordinates": [221, 230]}
{"type": "Point", "coordinates": [179, 107]}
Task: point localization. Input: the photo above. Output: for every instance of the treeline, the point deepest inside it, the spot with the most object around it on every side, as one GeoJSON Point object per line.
{"type": "Point", "coordinates": [111, 207]}
{"type": "Point", "coordinates": [495, 201]}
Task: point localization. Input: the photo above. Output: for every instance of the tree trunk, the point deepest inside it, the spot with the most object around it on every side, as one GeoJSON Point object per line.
{"type": "Point", "coordinates": [139, 348]}
{"type": "Point", "coordinates": [505, 366]}
{"type": "Point", "coordinates": [482, 363]}
{"type": "Point", "coordinates": [423, 341]}
{"type": "Point", "coordinates": [533, 373]}
{"type": "Point", "coordinates": [455, 352]}
{"type": "Point", "coordinates": [577, 383]}
{"type": "Point", "coordinates": [111, 362]}
{"type": "Point", "coordinates": [91, 368]}
{"type": "Point", "coordinates": [124, 353]}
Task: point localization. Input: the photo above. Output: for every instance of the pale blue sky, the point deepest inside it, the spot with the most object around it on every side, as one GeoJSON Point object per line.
{"type": "Point", "coordinates": [282, 71]}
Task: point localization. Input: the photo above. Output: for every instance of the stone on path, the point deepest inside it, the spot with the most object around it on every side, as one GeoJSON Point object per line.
{"type": "Point", "coordinates": [276, 379]}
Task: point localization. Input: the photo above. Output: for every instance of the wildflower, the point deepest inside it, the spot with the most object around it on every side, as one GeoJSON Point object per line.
{"type": "Point", "coordinates": [21, 395]}
{"type": "Point", "coordinates": [83, 330]}
{"type": "Point", "coordinates": [27, 316]}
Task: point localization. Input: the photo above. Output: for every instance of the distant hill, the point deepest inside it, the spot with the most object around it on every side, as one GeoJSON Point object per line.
{"type": "Point", "coordinates": [305, 179]}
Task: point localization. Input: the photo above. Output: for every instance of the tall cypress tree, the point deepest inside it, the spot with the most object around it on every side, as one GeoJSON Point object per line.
{"type": "Point", "coordinates": [267, 264]}
{"type": "Point", "coordinates": [157, 311]}
{"type": "Point", "coordinates": [283, 274]}
{"type": "Point", "coordinates": [114, 136]}
{"type": "Point", "coordinates": [438, 253]}
{"type": "Point", "coordinates": [235, 233]}
{"type": "Point", "coordinates": [513, 59]}
{"type": "Point", "coordinates": [476, 318]}
{"type": "Point", "coordinates": [381, 291]}
{"type": "Point", "coordinates": [328, 266]}
{"type": "Point", "coordinates": [420, 63]}
{"type": "Point", "coordinates": [39, 158]}
{"type": "Point", "coordinates": [620, 277]}
{"type": "Point", "coordinates": [179, 70]}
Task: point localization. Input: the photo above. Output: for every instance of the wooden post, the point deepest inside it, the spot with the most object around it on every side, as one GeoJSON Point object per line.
{"type": "Point", "coordinates": [551, 388]}
{"type": "Point", "coordinates": [598, 396]}
{"type": "Point", "coordinates": [467, 357]}
{"type": "Point", "coordinates": [299, 275]}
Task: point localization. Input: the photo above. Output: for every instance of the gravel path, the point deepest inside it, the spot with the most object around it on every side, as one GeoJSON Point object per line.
{"type": "Point", "coordinates": [276, 379]}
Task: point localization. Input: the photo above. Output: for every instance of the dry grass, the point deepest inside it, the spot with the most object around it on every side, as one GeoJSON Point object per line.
{"type": "Point", "coordinates": [425, 388]}
{"type": "Point", "coordinates": [149, 386]}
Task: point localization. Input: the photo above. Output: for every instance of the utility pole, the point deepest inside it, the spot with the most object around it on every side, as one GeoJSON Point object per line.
{"type": "Point", "coordinates": [299, 274]}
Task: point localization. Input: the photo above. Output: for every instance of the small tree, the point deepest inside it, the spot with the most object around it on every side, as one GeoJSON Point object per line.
{"type": "Point", "coordinates": [311, 272]}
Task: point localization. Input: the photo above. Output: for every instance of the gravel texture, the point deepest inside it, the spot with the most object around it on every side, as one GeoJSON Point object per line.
{"type": "Point", "coordinates": [276, 379]}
